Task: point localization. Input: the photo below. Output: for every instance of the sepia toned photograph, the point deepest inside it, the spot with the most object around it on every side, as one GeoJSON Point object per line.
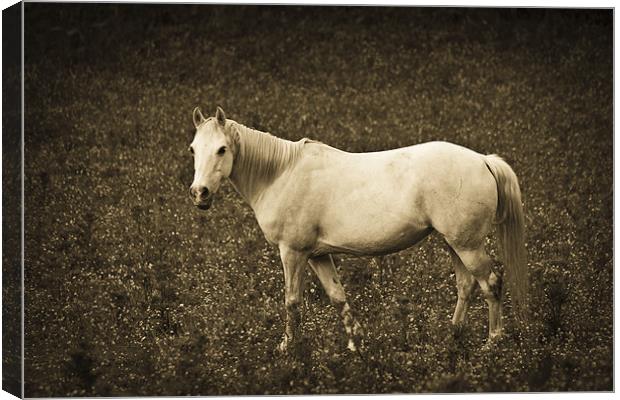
{"type": "Point", "coordinates": [308, 200]}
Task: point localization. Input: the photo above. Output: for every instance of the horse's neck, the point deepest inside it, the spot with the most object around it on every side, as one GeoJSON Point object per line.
{"type": "Point", "coordinates": [260, 158]}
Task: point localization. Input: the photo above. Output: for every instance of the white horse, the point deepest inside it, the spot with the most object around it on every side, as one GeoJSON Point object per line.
{"type": "Point", "coordinates": [312, 200]}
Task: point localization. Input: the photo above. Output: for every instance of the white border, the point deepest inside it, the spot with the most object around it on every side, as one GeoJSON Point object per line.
{"type": "Point", "coordinates": [479, 3]}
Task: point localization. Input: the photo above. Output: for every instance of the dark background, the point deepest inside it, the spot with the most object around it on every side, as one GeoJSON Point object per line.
{"type": "Point", "coordinates": [11, 201]}
{"type": "Point", "coordinates": [130, 290]}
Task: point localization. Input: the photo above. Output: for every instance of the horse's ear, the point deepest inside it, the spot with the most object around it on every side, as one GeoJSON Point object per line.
{"type": "Point", "coordinates": [198, 117]}
{"type": "Point", "coordinates": [220, 116]}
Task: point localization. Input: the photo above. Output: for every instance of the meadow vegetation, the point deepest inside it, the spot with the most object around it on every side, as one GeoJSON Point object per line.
{"type": "Point", "coordinates": [130, 290]}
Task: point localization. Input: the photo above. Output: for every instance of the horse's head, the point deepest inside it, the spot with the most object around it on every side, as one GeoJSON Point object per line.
{"type": "Point", "coordinates": [213, 158]}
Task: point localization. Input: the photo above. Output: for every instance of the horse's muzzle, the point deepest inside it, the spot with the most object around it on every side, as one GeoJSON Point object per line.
{"type": "Point", "coordinates": [204, 204]}
{"type": "Point", "coordinates": [201, 197]}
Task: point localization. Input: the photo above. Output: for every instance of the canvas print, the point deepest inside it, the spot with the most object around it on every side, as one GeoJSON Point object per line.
{"type": "Point", "coordinates": [280, 200]}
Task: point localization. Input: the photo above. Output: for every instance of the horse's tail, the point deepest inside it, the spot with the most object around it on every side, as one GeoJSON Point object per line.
{"type": "Point", "coordinates": [511, 232]}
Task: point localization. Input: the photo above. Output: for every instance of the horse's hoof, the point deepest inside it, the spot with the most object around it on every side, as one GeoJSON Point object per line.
{"type": "Point", "coordinates": [491, 343]}
{"type": "Point", "coordinates": [458, 328]}
{"type": "Point", "coordinates": [356, 343]}
{"type": "Point", "coordinates": [282, 347]}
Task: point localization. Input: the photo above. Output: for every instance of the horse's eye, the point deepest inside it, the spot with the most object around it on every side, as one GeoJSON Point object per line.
{"type": "Point", "coordinates": [191, 149]}
{"type": "Point", "coordinates": [222, 150]}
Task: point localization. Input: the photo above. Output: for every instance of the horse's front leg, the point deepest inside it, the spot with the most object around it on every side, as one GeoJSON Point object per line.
{"type": "Point", "coordinates": [294, 270]}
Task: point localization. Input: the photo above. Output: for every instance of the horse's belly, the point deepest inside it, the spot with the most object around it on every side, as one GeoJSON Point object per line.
{"type": "Point", "coordinates": [371, 239]}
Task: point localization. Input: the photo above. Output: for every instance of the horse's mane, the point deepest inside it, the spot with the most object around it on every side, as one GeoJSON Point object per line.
{"type": "Point", "coordinates": [261, 156]}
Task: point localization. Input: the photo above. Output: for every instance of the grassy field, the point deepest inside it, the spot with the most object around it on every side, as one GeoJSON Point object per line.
{"type": "Point", "coordinates": [130, 290]}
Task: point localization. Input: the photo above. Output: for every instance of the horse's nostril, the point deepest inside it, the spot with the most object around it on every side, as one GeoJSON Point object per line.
{"type": "Point", "coordinates": [200, 191]}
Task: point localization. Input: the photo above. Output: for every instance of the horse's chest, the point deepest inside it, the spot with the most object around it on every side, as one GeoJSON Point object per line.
{"type": "Point", "coordinates": [287, 224]}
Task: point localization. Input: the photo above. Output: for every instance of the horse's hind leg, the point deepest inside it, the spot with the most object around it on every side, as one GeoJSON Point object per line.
{"type": "Point", "coordinates": [465, 284]}
{"type": "Point", "coordinates": [478, 263]}
{"type": "Point", "coordinates": [325, 269]}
